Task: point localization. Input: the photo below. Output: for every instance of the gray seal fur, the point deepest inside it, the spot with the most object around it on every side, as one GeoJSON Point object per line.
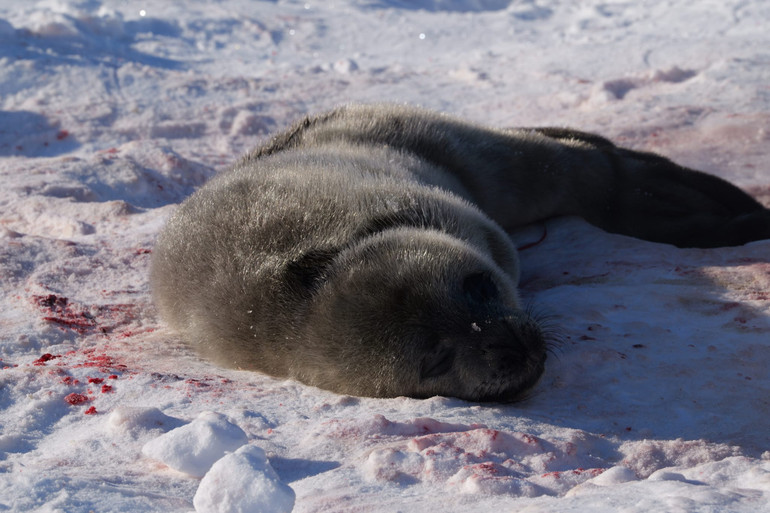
{"type": "Point", "coordinates": [365, 251]}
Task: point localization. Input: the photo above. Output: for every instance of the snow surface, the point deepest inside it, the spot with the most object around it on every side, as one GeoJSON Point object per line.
{"type": "Point", "coordinates": [112, 112]}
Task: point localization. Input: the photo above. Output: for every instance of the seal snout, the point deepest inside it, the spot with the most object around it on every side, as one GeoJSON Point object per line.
{"type": "Point", "coordinates": [510, 356]}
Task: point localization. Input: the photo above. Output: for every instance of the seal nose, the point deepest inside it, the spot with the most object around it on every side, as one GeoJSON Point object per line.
{"type": "Point", "coordinates": [480, 288]}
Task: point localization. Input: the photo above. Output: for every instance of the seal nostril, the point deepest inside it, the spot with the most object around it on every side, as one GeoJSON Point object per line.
{"type": "Point", "coordinates": [480, 288]}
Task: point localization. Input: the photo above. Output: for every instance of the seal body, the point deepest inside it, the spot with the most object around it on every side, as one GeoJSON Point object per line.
{"type": "Point", "coordinates": [364, 250]}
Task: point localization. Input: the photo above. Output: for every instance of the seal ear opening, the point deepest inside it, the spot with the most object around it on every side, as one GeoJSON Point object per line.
{"type": "Point", "coordinates": [306, 272]}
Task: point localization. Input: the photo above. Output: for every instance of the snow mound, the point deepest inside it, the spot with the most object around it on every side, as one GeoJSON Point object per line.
{"type": "Point", "coordinates": [243, 482]}
{"type": "Point", "coordinates": [132, 420]}
{"type": "Point", "coordinates": [194, 448]}
{"type": "Point", "coordinates": [487, 461]}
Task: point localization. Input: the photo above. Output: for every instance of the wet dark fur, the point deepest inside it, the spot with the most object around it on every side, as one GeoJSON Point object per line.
{"type": "Point", "coordinates": [364, 250]}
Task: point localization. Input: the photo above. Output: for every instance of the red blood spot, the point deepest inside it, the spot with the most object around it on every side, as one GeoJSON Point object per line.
{"type": "Point", "coordinates": [91, 411]}
{"type": "Point", "coordinates": [84, 318]}
{"type": "Point", "coordinates": [143, 251]}
{"type": "Point", "coordinates": [103, 362]}
{"type": "Point", "coordinates": [45, 358]}
{"type": "Point", "coordinates": [75, 399]}
{"type": "Point", "coordinates": [487, 468]}
{"type": "Point", "coordinates": [63, 134]}
{"type": "Point", "coordinates": [106, 388]}
{"type": "Point", "coordinates": [68, 380]}
{"type": "Point", "coordinates": [112, 376]}
{"type": "Point", "coordinates": [628, 428]}
{"type": "Point", "coordinates": [537, 242]}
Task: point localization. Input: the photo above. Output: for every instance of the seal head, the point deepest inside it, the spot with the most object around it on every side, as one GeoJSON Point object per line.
{"type": "Point", "coordinates": [416, 312]}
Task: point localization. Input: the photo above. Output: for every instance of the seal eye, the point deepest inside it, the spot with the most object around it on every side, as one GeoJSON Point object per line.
{"type": "Point", "coordinates": [480, 288]}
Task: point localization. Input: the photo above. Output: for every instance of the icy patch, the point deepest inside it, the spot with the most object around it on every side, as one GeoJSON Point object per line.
{"type": "Point", "coordinates": [194, 448]}
{"type": "Point", "coordinates": [243, 482]}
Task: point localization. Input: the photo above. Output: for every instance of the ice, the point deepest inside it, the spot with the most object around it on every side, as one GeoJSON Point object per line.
{"type": "Point", "coordinates": [195, 447]}
{"type": "Point", "coordinates": [243, 482]}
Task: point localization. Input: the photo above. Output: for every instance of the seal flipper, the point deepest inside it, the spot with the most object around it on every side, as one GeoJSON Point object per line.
{"type": "Point", "coordinates": [652, 198]}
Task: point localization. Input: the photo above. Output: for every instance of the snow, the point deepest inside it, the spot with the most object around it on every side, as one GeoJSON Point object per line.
{"type": "Point", "coordinates": [195, 447]}
{"type": "Point", "coordinates": [111, 113]}
{"type": "Point", "coordinates": [242, 482]}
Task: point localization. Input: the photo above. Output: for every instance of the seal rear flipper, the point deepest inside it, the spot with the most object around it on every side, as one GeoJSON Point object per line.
{"type": "Point", "coordinates": [652, 198]}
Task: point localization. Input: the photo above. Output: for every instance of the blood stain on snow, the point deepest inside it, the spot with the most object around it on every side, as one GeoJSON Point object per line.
{"type": "Point", "coordinates": [60, 310]}
{"type": "Point", "coordinates": [96, 381]}
{"type": "Point", "coordinates": [47, 357]}
{"type": "Point", "coordinates": [64, 314]}
{"type": "Point", "coordinates": [91, 411]}
{"type": "Point", "coordinates": [62, 134]}
{"type": "Point", "coordinates": [196, 382]}
{"type": "Point", "coordinates": [75, 399]}
{"type": "Point", "coordinates": [106, 389]}
{"type": "Point", "coordinates": [69, 380]}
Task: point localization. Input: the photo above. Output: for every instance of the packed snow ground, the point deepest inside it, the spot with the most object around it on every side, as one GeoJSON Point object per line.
{"type": "Point", "coordinates": [113, 112]}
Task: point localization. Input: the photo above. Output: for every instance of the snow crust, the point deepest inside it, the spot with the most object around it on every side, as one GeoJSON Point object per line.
{"type": "Point", "coordinates": [111, 113]}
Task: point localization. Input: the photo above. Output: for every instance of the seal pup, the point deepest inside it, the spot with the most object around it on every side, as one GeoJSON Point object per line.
{"type": "Point", "coordinates": [364, 250]}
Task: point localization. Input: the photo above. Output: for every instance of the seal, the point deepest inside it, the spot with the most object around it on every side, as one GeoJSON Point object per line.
{"type": "Point", "coordinates": [365, 251]}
